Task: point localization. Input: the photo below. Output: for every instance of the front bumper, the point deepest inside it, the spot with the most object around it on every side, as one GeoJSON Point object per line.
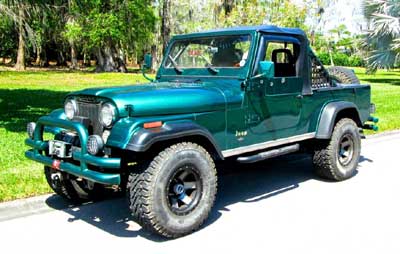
{"type": "Point", "coordinates": [82, 156]}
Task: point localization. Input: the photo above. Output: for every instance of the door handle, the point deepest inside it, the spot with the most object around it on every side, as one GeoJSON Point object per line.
{"type": "Point", "coordinates": [299, 96]}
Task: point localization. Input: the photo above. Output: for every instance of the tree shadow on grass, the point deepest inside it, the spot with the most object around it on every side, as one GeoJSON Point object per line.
{"type": "Point", "coordinates": [388, 81]}
{"type": "Point", "coordinates": [20, 106]}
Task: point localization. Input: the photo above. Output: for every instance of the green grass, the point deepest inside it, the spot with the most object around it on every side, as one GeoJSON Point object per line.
{"type": "Point", "coordinates": [25, 96]}
{"type": "Point", "coordinates": [385, 86]}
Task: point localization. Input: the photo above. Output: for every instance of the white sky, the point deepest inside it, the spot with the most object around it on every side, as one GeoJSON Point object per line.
{"type": "Point", "coordinates": [348, 12]}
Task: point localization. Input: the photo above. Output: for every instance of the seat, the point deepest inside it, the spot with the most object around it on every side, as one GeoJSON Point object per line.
{"type": "Point", "coordinates": [226, 57]}
{"type": "Point", "coordinates": [288, 67]}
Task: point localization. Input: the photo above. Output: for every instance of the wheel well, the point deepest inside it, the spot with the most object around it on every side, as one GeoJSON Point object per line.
{"type": "Point", "coordinates": [332, 114]}
{"type": "Point", "coordinates": [349, 113]}
{"type": "Point", "coordinates": [198, 139]}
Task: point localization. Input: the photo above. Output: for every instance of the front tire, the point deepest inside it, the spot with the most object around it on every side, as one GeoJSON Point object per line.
{"type": "Point", "coordinates": [337, 159]}
{"type": "Point", "coordinates": [175, 193]}
{"type": "Point", "coordinates": [69, 188]}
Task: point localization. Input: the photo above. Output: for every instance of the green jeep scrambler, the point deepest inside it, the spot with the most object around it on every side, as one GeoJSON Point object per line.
{"type": "Point", "coordinates": [246, 93]}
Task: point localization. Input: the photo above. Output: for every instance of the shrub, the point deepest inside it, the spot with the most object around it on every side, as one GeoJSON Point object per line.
{"type": "Point", "coordinates": [324, 58]}
{"type": "Point", "coordinates": [341, 59]}
{"type": "Point", "coordinates": [356, 61]}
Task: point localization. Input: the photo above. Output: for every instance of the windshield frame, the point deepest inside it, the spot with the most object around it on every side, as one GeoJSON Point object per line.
{"type": "Point", "coordinates": [229, 72]}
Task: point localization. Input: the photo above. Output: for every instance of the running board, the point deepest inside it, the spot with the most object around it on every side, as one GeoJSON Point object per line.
{"type": "Point", "coordinates": [269, 154]}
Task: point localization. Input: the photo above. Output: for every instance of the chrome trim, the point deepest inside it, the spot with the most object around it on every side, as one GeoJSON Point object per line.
{"type": "Point", "coordinates": [113, 111]}
{"type": "Point", "coordinates": [268, 144]}
{"type": "Point", "coordinates": [74, 106]}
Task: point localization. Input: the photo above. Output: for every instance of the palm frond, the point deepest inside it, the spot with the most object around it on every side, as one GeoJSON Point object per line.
{"type": "Point", "coordinates": [385, 25]}
{"type": "Point", "coordinates": [383, 36]}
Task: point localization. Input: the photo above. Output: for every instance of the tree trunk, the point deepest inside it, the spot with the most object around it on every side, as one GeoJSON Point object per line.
{"type": "Point", "coordinates": [155, 58]}
{"type": "Point", "coordinates": [86, 59]}
{"type": "Point", "coordinates": [61, 61]}
{"type": "Point", "coordinates": [165, 24]}
{"type": "Point", "coordinates": [228, 6]}
{"type": "Point", "coordinates": [331, 57]}
{"type": "Point", "coordinates": [74, 60]}
{"type": "Point", "coordinates": [41, 57]}
{"type": "Point", "coordinates": [38, 52]}
{"type": "Point", "coordinates": [20, 65]}
{"type": "Point", "coordinates": [108, 60]}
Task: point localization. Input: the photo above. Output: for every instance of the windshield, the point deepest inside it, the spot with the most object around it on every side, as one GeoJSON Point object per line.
{"type": "Point", "coordinates": [208, 52]}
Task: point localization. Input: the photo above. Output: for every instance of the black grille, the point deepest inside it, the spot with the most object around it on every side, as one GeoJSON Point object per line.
{"type": "Point", "coordinates": [91, 111]}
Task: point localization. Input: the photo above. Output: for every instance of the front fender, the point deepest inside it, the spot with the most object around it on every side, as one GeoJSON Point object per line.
{"type": "Point", "coordinates": [143, 139]}
{"type": "Point", "coordinates": [328, 117]}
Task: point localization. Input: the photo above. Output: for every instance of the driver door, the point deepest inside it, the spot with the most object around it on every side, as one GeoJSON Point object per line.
{"type": "Point", "coordinates": [275, 104]}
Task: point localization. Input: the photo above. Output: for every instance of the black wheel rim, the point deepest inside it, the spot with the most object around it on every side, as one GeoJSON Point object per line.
{"type": "Point", "coordinates": [346, 149]}
{"type": "Point", "coordinates": [184, 190]}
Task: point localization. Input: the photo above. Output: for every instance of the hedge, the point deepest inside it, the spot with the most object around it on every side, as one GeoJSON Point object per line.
{"type": "Point", "coordinates": [341, 59]}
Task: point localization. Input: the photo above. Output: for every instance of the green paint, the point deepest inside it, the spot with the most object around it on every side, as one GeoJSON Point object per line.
{"type": "Point", "coordinates": [238, 105]}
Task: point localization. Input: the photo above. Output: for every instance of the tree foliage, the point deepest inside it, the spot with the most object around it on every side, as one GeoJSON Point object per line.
{"type": "Point", "coordinates": [115, 32]}
{"type": "Point", "coordinates": [383, 36]}
{"type": "Point", "coordinates": [111, 30]}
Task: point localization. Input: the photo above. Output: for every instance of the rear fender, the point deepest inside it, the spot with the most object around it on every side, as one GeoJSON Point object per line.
{"type": "Point", "coordinates": [329, 116]}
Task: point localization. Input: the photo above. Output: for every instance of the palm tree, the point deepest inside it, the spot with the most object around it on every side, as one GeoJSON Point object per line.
{"type": "Point", "coordinates": [383, 35]}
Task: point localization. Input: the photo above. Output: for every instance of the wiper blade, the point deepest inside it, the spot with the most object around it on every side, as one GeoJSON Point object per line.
{"type": "Point", "coordinates": [212, 69]}
{"type": "Point", "coordinates": [209, 66]}
{"type": "Point", "coordinates": [176, 67]}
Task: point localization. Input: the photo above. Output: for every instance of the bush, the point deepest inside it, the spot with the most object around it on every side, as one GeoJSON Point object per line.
{"type": "Point", "coordinates": [356, 61]}
{"type": "Point", "coordinates": [324, 58]}
{"type": "Point", "coordinates": [341, 59]}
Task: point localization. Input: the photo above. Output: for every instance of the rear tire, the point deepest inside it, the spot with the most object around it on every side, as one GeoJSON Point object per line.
{"type": "Point", "coordinates": [175, 193]}
{"type": "Point", "coordinates": [337, 159]}
{"type": "Point", "coordinates": [343, 75]}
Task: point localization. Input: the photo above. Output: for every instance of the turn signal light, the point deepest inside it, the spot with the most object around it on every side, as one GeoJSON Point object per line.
{"type": "Point", "coordinates": [152, 125]}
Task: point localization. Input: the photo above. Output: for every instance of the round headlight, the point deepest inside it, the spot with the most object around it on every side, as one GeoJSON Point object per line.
{"type": "Point", "coordinates": [94, 144]}
{"type": "Point", "coordinates": [70, 109]}
{"type": "Point", "coordinates": [108, 114]}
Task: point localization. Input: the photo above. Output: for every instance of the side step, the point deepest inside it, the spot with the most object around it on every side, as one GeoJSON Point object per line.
{"type": "Point", "coordinates": [269, 154]}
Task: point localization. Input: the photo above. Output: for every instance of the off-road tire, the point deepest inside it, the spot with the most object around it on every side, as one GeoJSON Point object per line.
{"type": "Point", "coordinates": [63, 186]}
{"type": "Point", "coordinates": [68, 187]}
{"type": "Point", "coordinates": [343, 75]}
{"type": "Point", "coordinates": [149, 196]}
{"type": "Point", "coordinates": [328, 156]}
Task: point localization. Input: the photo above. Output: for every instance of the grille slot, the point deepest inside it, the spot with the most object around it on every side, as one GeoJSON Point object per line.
{"type": "Point", "coordinates": [91, 111]}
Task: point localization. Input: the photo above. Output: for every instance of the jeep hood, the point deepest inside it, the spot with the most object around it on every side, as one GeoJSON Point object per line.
{"type": "Point", "coordinates": [163, 98]}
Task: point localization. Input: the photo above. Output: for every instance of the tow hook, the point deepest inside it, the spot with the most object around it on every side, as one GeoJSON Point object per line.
{"type": "Point", "coordinates": [56, 178]}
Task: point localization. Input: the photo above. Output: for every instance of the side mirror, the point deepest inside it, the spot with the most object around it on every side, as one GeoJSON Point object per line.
{"type": "Point", "coordinates": [148, 61]}
{"type": "Point", "coordinates": [266, 69]}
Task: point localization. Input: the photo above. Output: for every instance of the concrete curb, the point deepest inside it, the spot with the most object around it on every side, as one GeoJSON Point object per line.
{"type": "Point", "coordinates": [383, 134]}
{"type": "Point", "coordinates": [30, 206]}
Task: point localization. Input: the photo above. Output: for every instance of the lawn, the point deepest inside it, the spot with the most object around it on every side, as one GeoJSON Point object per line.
{"type": "Point", "coordinates": [385, 94]}
{"type": "Point", "coordinates": [24, 96]}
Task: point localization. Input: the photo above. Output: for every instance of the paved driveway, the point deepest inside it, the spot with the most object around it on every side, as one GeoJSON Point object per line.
{"type": "Point", "coordinates": [276, 206]}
